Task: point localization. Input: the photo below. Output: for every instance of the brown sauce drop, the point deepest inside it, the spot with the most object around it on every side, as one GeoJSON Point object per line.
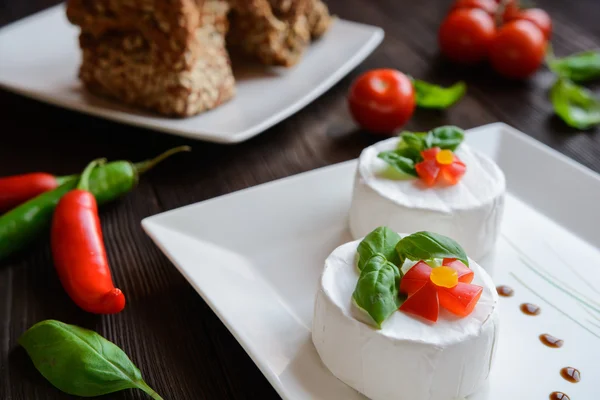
{"type": "Point", "coordinates": [571, 374]}
{"type": "Point", "coordinates": [530, 309]}
{"type": "Point", "coordinates": [505, 291]}
{"type": "Point", "coordinates": [551, 341]}
{"type": "Point", "coordinates": [559, 396]}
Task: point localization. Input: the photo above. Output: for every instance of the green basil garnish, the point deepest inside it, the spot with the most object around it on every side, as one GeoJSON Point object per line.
{"type": "Point", "coordinates": [428, 245]}
{"type": "Point", "coordinates": [81, 362]}
{"type": "Point", "coordinates": [580, 67]}
{"type": "Point", "coordinates": [377, 288]}
{"type": "Point", "coordinates": [382, 241]}
{"type": "Point", "coordinates": [576, 105]}
{"type": "Point", "coordinates": [398, 162]}
{"type": "Point", "coordinates": [446, 137]}
{"type": "Point", "coordinates": [408, 152]}
{"type": "Point", "coordinates": [434, 96]}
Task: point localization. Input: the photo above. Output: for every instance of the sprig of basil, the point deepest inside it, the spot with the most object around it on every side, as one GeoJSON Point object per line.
{"type": "Point", "coordinates": [446, 137]}
{"type": "Point", "coordinates": [377, 288]}
{"type": "Point", "coordinates": [579, 67]}
{"type": "Point", "coordinates": [408, 151]}
{"type": "Point", "coordinates": [576, 105]}
{"type": "Point", "coordinates": [382, 241]}
{"type": "Point", "coordinates": [433, 96]}
{"type": "Point", "coordinates": [81, 362]}
{"type": "Point", "coordinates": [427, 245]}
{"type": "Point", "coordinates": [398, 162]}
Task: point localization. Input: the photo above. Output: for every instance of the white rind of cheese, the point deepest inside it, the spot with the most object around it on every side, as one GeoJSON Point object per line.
{"type": "Point", "coordinates": [469, 212]}
{"type": "Point", "coordinates": [407, 359]}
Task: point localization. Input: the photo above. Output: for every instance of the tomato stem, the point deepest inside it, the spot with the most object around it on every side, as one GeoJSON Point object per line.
{"type": "Point", "coordinates": [144, 166]}
{"type": "Point", "coordinates": [85, 175]}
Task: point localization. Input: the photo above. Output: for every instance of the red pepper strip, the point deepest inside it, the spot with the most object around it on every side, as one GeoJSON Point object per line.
{"type": "Point", "coordinates": [415, 278]}
{"type": "Point", "coordinates": [79, 253]}
{"type": "Point", "coordinates": [17, 189]}
{"type": "Point", "coordinates": [424, 303]}
{"type": "Point", "coordinates": [465, 274]}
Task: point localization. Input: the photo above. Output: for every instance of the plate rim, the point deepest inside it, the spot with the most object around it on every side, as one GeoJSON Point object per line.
{"type": "Point", "coordinates": [123, 117]}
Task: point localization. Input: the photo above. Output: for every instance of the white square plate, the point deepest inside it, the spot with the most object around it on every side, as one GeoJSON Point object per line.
{"type": "Point", "coordinates": [255, 256]}
{"type": "Point", "coordinates": [40, 57]}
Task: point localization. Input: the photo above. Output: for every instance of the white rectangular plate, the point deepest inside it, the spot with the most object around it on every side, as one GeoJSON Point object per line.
{"type": "Point", "coordinates": [39, 58]}
{"type": "Point", "coordinates": [255, 257]}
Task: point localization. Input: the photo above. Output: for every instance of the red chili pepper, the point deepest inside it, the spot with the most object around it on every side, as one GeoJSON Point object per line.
{"type": "Point", "coordinates": [17, 189]}
{"type": "Point", "coordinates": [79, 253]}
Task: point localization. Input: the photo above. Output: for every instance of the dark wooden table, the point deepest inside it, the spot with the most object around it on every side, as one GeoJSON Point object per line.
{"type": "Point", "coordinates": [182, 348]}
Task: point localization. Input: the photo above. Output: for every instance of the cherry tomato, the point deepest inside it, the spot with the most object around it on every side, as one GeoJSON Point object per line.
{"type": "Point", "coordinates": [511, 10]}
{"type": "Point", "coordinates": [536, 15]}
{"type": "Point", "coordinates": [518, 49]}
{"type": "Point", "coordinates": [465, 35]}
{"type": "Point", "coordinates": [460, 299]}
{"type": "Point", "coordinates": [382, 100]}
{"type": "Point", "coordinates": [489, 6]}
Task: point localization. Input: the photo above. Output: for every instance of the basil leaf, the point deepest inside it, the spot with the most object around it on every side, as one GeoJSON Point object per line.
{"type": "Point", "coordinates": [412, 140]}
{"type": "Point", "coordinates": [578, 67]}
{"type": "Point", "coordinates": [382, 241]}
{"type": "Point", "coordinates": [447, 137]}
{"type": "Point", "coordinates": [434, 96]}
{"type": "Point", "coordinates": [428, 245]}
{"type": "Point", "coordinates": [398, 161]}
{"type": "Point", "coordinates": [576, 105]}
{"type": "Point", "coordinates": [377, 289]}
{"type": "Point", "coordinates": [79, 361]}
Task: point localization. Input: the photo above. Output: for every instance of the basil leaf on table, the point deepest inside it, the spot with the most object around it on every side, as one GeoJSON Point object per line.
{"type": "Point", "coordinates": [382, 241]}
{"type": "Point", "coordinates": [81, 362]}
{"type": "Point", "coordinates": [377, 289]}
{"type": "Point", "coordinates": [399, 162]}
{"type": "Point", "coordinates": [427, 245]}
{"type": "Point", "coordinates": [576, 105]}
{"type": "Point", "coordinates": [446, 137]}
{"type": "Point", "coordinates": [438, 97]}
{"type": "Point", "coordinates": [580, 67]}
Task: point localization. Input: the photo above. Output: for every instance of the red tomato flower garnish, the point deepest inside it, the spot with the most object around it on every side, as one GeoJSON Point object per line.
{"type": "Point", "coordinates": [440, 165]}
{"type": "Point", "coordinates": [448, 286]}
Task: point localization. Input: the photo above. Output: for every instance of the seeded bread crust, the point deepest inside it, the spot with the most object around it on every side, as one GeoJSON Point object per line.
{"type": "Point", "coordinates": [276, 32]}
{"type": "Point", "coordinates": [168, 56]}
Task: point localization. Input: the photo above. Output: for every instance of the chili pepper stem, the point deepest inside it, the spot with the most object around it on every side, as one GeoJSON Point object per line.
{"type": "Point", "coordinates": [144, 166]}
{"type": "Point", "coordinates": [84, 181]}
{"type": "Point", "coordinates": [144, 386]}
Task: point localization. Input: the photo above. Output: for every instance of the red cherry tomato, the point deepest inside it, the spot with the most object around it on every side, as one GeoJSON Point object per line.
{"type": "Point", "coordinates": [518, 49]}
{"type": "Point", "coordinates": [511, 10]}
{"type": "Point", "coordinates": [460, 299]}
{"type": "Point", "coordinates": [489, 6]}
{"type": "Point", "coordinates": [382, 100]}
{"type": "Point", "coordinates": [536, 15]}
{"type": "Point", "coordinates": [465, 35]}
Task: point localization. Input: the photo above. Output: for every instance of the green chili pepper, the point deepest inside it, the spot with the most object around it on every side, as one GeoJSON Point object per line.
{"type": "Point", "coordinates": [23, 224]}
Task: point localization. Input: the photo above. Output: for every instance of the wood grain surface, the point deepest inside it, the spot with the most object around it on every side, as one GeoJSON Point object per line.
{"type": "Point", "coordinates": [182, 348]}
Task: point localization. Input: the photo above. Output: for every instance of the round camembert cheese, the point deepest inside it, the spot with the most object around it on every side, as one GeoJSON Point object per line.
{"type": "Point", "coordinates": [468, 212]}
{"type": "Point", "coordinates": [407, 359]}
